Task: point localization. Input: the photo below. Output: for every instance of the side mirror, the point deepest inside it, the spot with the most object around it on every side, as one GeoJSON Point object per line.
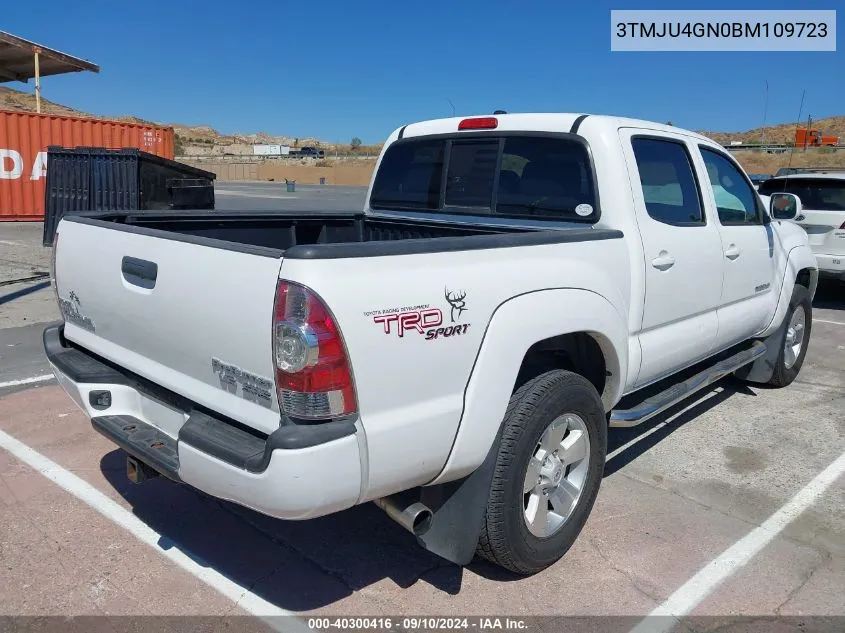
{"type": "Point", "coordinates": [784, 206]}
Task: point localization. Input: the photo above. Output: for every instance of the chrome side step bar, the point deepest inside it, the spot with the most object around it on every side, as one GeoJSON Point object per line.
{"type": "Point", "coordinates": [677, 392]}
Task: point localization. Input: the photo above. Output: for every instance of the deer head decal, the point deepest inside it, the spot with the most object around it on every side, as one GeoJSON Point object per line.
{"type": "Point", "coordinates": [456, 301]}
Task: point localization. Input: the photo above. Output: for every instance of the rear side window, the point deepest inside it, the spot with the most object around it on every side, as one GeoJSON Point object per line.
{"type": "Point", "coordinates": [816, 194]}
{"type": "Point", "coordinates": [736, 200]}
{"type": "Point", "coordinates": [518, 175]}
{"type": "Point", "coordinates": [670, 189]}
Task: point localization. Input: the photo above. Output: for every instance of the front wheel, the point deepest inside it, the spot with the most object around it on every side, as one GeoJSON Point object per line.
{"type": "Point", "coordinates": [548, 471]}
{"type": "Point", "coordinates": [796, 337]}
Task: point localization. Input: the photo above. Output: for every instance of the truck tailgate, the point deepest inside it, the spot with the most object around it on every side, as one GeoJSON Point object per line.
{"type": "Point", "coordinates": [192, 317]}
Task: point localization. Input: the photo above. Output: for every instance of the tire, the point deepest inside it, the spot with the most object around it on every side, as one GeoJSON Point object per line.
{"type": "Point", "coordinates": [506, 537]}
{"type": "Point", "coordinates": [786, 369]}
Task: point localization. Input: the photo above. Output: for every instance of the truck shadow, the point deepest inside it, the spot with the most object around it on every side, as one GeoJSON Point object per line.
{"type": "Point", "coordinates": [296, 565]}
{"type": "Point", "coordinates": [624, 445]}
{"type": "Point", "coordinates": [304, 565]}
{"type": "Point", "coordinates": [830, 295]}
{"type": "Point", "coordinates": [17, 294]}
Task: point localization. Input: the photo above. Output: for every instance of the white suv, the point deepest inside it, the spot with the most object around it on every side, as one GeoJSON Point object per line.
{"type": "Point", "coordinates": [822, 194]}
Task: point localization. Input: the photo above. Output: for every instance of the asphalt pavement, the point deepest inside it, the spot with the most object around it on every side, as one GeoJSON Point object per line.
{"type": "Point", "coordinates": [261, 196]}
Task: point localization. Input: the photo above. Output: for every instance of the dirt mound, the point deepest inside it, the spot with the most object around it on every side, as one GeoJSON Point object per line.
{"type": "Point", "coordinates": [204, 141]}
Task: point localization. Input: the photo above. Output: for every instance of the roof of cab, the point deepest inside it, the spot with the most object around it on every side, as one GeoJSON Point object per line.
{"type": "Point", "coordinates": [541, 121]}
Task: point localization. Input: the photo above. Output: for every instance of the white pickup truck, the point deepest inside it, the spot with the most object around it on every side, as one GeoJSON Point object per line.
{"type": "Point", "coordinates": [456, 353]}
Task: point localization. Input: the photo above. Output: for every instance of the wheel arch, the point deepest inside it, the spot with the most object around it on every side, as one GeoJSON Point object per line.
{"type": "Point", "coordinates": [801, 269]}
{"type": "Point", "coordinates": [809, 278]}
{"type": "Point", "coordinates": [584, 353]}
{"type": "Point", "coordinates": [524, 334]}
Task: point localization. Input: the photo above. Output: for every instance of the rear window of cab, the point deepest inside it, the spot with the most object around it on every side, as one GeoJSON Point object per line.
{"type": "Point", "coordinates": [537, 176]}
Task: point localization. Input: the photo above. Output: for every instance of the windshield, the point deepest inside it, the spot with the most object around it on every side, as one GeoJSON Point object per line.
{"type": "Point", "coordinates": [817, 194]}
{"type": "Point", "coordinates": [506, 175]}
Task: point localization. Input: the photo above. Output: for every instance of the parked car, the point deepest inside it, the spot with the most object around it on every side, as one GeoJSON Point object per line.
{"type": "Point", "coordinates": [516, 285]}
{"type": "Point", "coordinates": [312, 151]}
{"type": "Point", "coordinates": [758, 179]}
{"type": "Point", "coordinates": [822, 195]}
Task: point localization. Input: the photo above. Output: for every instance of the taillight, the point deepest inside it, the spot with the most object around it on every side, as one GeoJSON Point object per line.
{"type": "Point", "coordinates": [479, 123]}
{"type": "Point", "coordinates": [313, 375]}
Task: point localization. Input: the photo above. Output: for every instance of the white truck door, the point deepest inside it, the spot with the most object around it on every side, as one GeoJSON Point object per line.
{"type": "Point", "coordinates": [682, 251]}
{"type": "Point", "coordinates": [750, 288]}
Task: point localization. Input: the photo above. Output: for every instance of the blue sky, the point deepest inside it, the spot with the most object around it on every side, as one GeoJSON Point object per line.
{"type": "Point", "coordinates": [335, 69]}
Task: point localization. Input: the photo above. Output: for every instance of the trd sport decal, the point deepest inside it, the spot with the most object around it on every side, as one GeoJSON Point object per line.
{"type": "Point", "coordinates": [423, 319]}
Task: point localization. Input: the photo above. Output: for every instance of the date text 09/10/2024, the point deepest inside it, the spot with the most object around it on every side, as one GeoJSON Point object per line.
{"type": "Point", "coordinates": [418, 623]}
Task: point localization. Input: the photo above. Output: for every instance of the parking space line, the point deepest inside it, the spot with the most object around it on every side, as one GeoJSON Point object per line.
{"type": "Point", "coordinates": [697, 588]}
{"type": "Point", "coordinates": [85, 492]}
{"type": "Point", "coordinates": [826, 321]}
{"type": "Point", "coordinates": [25, 381]}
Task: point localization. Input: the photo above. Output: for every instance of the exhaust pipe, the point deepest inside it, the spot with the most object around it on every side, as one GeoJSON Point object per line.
{"type": "Point", "coordinates": [408, 512]}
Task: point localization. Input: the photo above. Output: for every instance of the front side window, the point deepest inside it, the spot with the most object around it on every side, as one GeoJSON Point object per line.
{"type": "Point", "coordinates": [518, 175]}
{"type": "Point", "coordinates": [736, 200]}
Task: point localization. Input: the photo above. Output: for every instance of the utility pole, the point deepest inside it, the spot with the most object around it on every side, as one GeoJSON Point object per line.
{"type": "Point", "coordinates": [807, 133]}
{"type": "Point", "coordinates": [36, 51]}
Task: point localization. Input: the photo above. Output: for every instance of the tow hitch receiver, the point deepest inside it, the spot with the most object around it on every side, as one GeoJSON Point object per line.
{"type": "Point", "coordinates": [138, 472]}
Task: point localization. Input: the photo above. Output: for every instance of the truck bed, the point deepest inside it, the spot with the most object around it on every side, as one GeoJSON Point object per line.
{"type": "Point", "coordinates": [187, 301]}
{"type": "Point", "coordinates": [309, 235]}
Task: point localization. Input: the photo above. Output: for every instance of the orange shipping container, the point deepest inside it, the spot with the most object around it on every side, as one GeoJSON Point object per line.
{"type": "Point", "coordinates": [25, 137]}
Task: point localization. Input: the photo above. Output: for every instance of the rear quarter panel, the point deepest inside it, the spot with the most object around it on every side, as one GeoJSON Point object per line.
{"type": "Point", "coordinates": [412, 385]}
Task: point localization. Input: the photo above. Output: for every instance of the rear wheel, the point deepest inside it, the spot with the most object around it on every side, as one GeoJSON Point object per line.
{"type": "Point", "coordinates": [548, 471]}
{"type": "Point", "coordinates": [796, 337]}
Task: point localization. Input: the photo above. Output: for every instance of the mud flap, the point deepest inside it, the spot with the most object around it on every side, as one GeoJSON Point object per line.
{"type": "Point", "coordinates": [458, 508]}
{"type": "Point", "coordinates": [762, 369]}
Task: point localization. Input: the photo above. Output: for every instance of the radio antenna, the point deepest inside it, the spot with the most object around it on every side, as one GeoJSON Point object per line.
{"type": "Point", "coordinates": [797, 125]}
{"type": "Point", "coordinates": [765, 111]}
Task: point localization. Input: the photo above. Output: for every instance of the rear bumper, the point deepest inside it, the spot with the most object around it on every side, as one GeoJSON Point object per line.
{"type": "Point", "coordinates": [831, 266]}
{"type": "Point", "coordinates": [297, 472]}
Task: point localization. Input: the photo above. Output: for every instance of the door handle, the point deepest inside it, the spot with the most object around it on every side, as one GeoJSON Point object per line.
{"type": "Point", "coordinates": [139, 272]}
{"type": "Point", "coordinates": [732, 252]}
{"type": "Point", "coordinates": [663, 261]}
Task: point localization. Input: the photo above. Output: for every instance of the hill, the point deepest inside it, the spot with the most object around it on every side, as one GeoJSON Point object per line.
{"type": "Point", "coordinates": [782, 133]}
{"type": "Point", "coordinates": [18, 101]}
{"type": "Point", "coordinates": [205, 141]}
{"type": "Point", "coordinates": [200, 140]}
